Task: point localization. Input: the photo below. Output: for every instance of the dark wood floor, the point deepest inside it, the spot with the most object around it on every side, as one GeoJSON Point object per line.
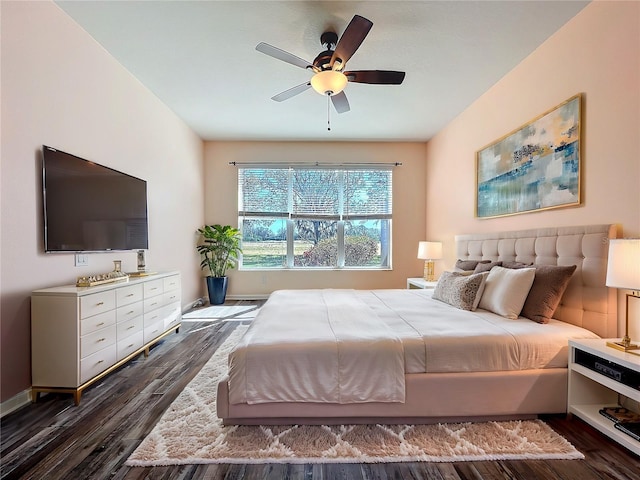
{"type": "Point", "coordinates": [53, 439]}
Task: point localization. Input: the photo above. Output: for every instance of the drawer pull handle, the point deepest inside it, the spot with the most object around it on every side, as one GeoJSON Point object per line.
{"type": "Point", "coordinates": [101, 339]}
{"type": "Point", "coordinates": [154, 303]}
{"type": "Point", "coordinates": [99, 362]}
{"type": "Point", "coordinates": [130, 312]}
{"type": "Point", "coordinates": [132, 326]}
{"type": "Point", "coordinates": [100, 324]}
{"type": "Point", "coordinates": [99, 303]}
{"type": "Point", "coordinates": [130, 295]}
{"type": "Point", "coordinates": [153, 288]}
{"type": "Point", "coordinates": [130, 345]}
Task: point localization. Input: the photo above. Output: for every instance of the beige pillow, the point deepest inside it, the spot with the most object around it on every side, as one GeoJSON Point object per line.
{"type": "Point", "coordinates": [506, 290]}
{"type": "Point", "coordinates": [549, 285]}
{"type": "Point", "coordinates": [460, 290]}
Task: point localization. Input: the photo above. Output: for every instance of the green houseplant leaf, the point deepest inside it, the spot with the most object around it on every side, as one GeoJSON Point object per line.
{"type": "Point", "coordinates": [219, 248]}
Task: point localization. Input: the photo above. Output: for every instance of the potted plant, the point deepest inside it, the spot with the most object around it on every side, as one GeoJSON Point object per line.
{"type": "Point", "coordinates": [220, 248]}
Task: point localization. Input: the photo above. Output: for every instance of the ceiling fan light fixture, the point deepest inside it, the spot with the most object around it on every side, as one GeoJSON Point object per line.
{"type": "Point", "coordinates": [329, 82]}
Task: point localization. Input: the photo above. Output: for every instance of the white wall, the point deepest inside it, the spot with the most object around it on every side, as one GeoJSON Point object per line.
{"type": "Point", "coordinates": [60, 88]}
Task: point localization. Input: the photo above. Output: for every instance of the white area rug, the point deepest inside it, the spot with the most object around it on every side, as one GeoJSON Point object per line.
{"type": "Point", "coordinates": [219, 312]}
{"type": "Point", "coordinates": [190, 433]}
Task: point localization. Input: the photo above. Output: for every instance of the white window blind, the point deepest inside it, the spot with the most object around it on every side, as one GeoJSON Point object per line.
{"type": "Point", "coordinates": [312, 211]}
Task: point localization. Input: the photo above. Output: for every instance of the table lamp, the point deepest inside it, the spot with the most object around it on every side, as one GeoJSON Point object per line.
{"type": "Point", "coordinates": [623, 271]}
{"type": "Point", "coordinates": [429, 251]}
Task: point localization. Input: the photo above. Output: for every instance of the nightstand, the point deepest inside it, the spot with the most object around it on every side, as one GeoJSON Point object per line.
{"type": "Point", "coordinates": [597, 375]}
{"type": "Point", "coordinates": [420, 283]}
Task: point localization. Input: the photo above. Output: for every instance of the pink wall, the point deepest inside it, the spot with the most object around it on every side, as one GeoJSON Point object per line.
{"type": "Point", "coordinates": [408, 208]}
{"type": "Point", "coordinates": [597, 53]}
{"type": "Point", "coordinates": [60, 88]}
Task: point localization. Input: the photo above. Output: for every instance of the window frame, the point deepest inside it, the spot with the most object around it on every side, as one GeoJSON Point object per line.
{"type": "Point", "coordinates": [341, 218]}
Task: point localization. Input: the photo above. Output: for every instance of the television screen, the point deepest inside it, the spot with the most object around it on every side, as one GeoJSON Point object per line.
{"type": "Point", "coordinates": [89, 207]}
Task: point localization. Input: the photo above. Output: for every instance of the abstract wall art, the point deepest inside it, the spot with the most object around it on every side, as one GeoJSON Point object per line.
{"type": "Point", "coordinates": [535, 167]}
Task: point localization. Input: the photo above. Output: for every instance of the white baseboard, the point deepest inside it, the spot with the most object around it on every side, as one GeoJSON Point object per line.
{"type": "Point", "coordinates": [15, 402]}
{"type": "Point", "coordinates": [261, 296]}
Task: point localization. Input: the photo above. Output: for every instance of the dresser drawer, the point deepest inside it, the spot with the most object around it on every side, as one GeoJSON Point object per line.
{"type": "Point", "coordinates": [153, 303]}
{"type": "Point", "coordinates": [171, 297]}
{"type": "Point", "coordinates": [171, 283]}
{"type": "Point", "coordinates": [96, 322]}
{"type": "Point", "coordinates": [153, 330]}
{"type": "Point", "coordinates": [97, 303]}
{"type": "Point", "coordinates": [152, 288]}
{"type": "Point", "coordinates": [128, 295]}
{"type": "Point", "coordinates": [97, 340]}
{"type": "Point", "coordinates": [128, 327]}
{"type": "Point", "coordinates": [97, 363]}
{"type": "Point", "coordinates": [130, 344]}
{"type": "Point", "coordinates": [128, 312]}
{"type": "Point", "coordinates": [172, 314]}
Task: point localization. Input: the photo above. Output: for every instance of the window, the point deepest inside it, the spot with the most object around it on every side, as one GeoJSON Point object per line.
{"type": "Point", "coordinates": [296, 217]}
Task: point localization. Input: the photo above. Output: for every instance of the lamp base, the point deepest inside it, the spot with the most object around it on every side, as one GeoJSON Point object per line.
{"type": "Point", "coordinates": [623, 346]}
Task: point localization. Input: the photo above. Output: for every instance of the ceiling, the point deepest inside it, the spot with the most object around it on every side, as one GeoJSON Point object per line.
{"type": "Point", "coordinates": [199, 58]}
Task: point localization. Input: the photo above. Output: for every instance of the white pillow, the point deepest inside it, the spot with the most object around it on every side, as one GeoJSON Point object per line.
{"type": "Point", "coordinates": [506, 290]}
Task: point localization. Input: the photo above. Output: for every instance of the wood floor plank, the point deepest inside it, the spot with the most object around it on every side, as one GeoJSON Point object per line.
{"type": "Point", "coordinates": [54, 439]}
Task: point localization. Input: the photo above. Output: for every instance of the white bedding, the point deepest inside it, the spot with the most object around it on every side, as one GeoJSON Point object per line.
{"type": "Point", "coordinates": [354, 346]}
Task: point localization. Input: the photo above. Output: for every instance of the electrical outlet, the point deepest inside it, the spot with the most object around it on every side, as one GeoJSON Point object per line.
{"type": "Point", "coordinates": [82, 260]}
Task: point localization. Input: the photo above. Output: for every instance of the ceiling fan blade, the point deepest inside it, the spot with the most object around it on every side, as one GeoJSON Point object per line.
{"type": "Point", "coordinates": [291, 92]}
{"type": "Point", "coordinates": [340, 102]}
{"type": "Point", "coordinates": [381, 77]}
{"type": "Point", "coordinates": [351, 39]}
{"type": "Point", "coordinates": [276, 52]}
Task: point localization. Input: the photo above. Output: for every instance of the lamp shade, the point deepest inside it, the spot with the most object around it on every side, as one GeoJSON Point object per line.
{"type": "Point", "coordinates": [623, 268]}
{"type": "Point", "coordinates": [430, 250]}
{"type": "Point", "coordinates": [329, 82]}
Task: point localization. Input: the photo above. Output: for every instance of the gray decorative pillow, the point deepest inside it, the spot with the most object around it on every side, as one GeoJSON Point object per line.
{"type": "Point", "coordinates": [460, 291]}
{"type": "Point", "coordinates": [468, 265]}
{"type": "Point", "coordinates": [516, 265]}
{"type": "Point", "coordinates": [486, 266]}
{"type": "Point", "coordinates": [549, 285]}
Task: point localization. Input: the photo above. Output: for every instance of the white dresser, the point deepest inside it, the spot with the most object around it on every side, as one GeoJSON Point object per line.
{"type": "Point", "coordinates": [80, 334]}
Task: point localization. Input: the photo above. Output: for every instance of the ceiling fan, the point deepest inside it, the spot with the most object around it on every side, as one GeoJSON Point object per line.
{"type": "Point", "coordinates": [329, 77]}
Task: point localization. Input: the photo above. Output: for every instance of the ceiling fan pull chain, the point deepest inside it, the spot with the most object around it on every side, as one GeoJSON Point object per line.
{"type": "Point", "coordinates": [328, 112]}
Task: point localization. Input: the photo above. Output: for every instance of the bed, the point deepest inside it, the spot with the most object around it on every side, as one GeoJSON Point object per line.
{"type": "Point", "coordinates": [403, 356]}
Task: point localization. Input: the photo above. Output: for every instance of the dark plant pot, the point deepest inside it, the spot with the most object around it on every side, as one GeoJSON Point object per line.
{"type": "Point", "coordinates": [217, 288]}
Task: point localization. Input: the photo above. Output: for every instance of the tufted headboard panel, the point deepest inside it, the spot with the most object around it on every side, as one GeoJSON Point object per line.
{"type": "Point", "coordinates": [587, 302]}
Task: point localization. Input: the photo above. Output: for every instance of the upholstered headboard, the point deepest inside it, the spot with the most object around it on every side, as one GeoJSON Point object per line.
{"type": "Point", "coordinates": [587, 302]}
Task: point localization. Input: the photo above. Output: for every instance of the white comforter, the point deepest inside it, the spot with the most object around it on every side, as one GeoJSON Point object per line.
{"type": "Point", "coordinates": [354, 346]}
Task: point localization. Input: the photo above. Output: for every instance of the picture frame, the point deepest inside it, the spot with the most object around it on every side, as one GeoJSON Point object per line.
{"type": "Point", "coordinates": [535, 167]}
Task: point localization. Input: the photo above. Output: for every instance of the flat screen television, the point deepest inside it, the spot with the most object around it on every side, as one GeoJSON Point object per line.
{"type": "Point", "coordinates": [89, 207]}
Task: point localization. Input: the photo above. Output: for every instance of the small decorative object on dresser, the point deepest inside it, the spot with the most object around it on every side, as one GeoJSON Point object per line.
{"type": "Point", "coordinates": [81, 334]}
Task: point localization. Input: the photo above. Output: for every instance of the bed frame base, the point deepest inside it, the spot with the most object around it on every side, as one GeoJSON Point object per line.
{"type": "Point", "coordinates": [430, 398]}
